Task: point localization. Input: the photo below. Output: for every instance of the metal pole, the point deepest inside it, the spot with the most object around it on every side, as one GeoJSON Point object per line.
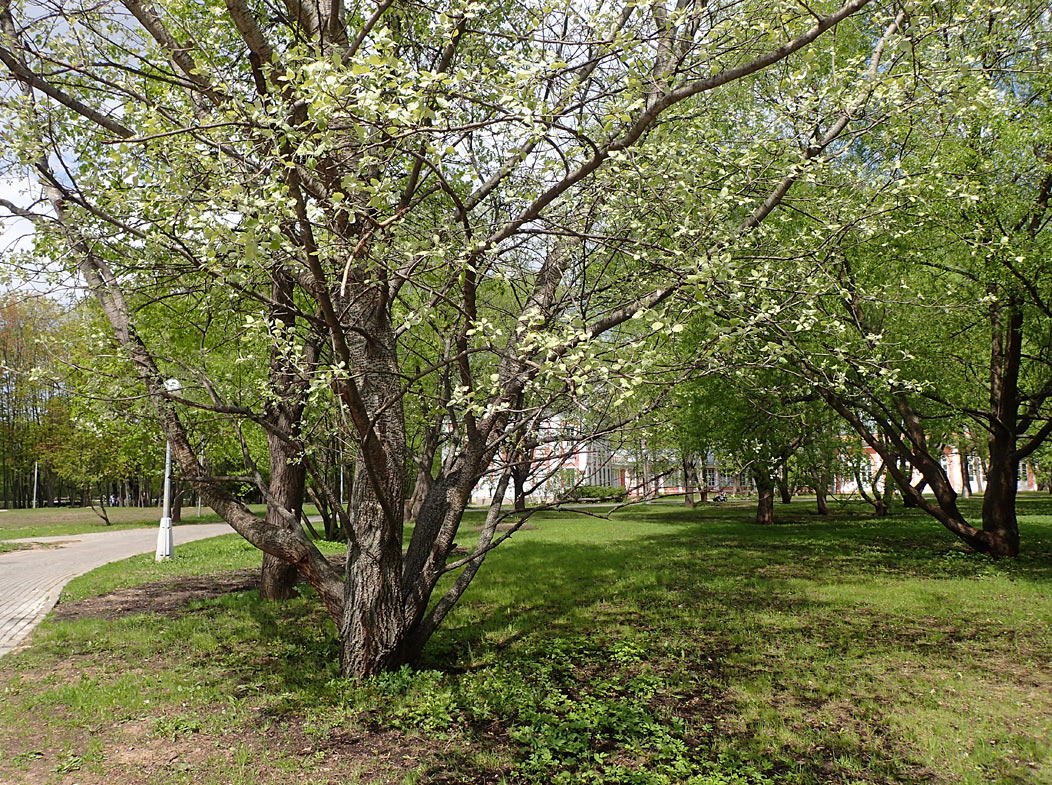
{"type": "Point", "coordinates": [36, 469]}
{"type": "Point", "coordinates": [164, 535]}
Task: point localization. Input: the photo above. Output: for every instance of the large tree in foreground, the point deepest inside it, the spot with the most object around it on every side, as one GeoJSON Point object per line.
{"type": "Point", "coordinates": [474, 204]}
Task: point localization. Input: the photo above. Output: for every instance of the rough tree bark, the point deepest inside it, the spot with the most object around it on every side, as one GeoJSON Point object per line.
{"type": "Point", "coordinates": [764, 496]}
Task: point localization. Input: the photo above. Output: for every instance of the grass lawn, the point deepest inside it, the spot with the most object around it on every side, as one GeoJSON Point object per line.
{"type": "Point", "coordinates": [60, 521]}
{"type": "Point", "coordinates": [664, 646]}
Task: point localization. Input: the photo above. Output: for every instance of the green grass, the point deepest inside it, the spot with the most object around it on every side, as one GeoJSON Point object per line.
{"type": "Point", "coordinates": [200, 557]}
{"type": "Point", "coordinates": [61, 521]}
{"type": "Point", "coordinates": [663, 646]}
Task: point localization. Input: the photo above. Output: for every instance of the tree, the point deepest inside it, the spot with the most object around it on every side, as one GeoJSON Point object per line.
{"type": "Point", "coordinates": [928, 312]}
{"type": "Point", "coordinates": [364, 178]}
{"type": "Point", "coordinates": [750, 419]}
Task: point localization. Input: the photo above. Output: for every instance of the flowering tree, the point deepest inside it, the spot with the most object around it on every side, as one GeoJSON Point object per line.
{"type": "Point", "coordinates": [473, 211]}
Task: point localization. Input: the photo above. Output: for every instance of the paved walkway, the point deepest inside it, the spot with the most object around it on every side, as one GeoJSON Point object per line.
{"type": "Point", "coordinates": [30, 581]}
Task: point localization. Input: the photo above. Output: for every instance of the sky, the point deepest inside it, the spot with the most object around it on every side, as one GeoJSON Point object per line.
{"type": "Point", "coordinates": [16, 234]}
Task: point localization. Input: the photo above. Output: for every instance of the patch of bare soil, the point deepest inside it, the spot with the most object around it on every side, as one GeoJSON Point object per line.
{"type": "Point", "coordinates": [503, 527]}
{"type": "Point", "coordinates": [8, 547]}
{"type": "Point", "coordinates": [161, 597]}
{"type": "Point", "coordinates": [171, 596]}
{"type": "Point", "coordinates": [379, 755]}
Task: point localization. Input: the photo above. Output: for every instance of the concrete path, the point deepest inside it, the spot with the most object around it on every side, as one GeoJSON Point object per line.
{"type": "Point", "coordinates": [30, 580]}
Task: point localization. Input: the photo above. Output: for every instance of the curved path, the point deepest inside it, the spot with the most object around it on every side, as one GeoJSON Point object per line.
{"type": "Point", "coordinates": [30, 580]}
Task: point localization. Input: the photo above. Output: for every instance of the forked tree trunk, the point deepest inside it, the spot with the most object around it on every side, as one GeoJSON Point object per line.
{"type": "Point", "coordinates": [877, 500]}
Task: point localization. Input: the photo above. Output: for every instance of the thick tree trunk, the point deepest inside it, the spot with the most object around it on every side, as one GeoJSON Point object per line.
{"type": "Point", "coordinates": [373, 627]}
{"type": "Point", "coordinates": [1000, 526]}
{"type": "Point", "coordinates": [765, 498]}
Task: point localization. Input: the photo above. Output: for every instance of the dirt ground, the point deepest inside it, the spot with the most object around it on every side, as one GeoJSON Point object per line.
{"type": "Point", "coordinates": [166, 597]}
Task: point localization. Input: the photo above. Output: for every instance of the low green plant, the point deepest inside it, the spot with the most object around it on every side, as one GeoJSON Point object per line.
{"type": "Point", "coordinates": [594, 493]}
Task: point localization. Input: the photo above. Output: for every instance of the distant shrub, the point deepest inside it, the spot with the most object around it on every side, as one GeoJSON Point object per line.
{"type": "Point", "coordinates": [600, 492]}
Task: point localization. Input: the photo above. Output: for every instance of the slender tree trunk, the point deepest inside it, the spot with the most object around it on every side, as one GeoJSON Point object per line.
{"type": "Point", "coordinates": [783, 484]}
{"type": "Point", "coordinates": [821, 493]}
{"type": "Point", "coordinates": [424, 479]}
{"type": "Point", "coordinates": [288, 473]}
{"type": "Point", "coordinates": [519, 481]}
{"type": "Point", "coordinates": [821, 502]}
{"type": "Point", "coordinates": [178, 491]}
{"type": "Point", "coordinates": [646, 468]}
{"type": "Point", "coordinates": [966, 478]}
{"type": "Point", "coordinates": [330, 527]}
{"type": "Point", "coordinates": [688, 480]}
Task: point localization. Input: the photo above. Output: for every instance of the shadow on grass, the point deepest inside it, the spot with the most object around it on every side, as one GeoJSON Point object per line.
{"type": "Point", "coordinates": [810, 652]}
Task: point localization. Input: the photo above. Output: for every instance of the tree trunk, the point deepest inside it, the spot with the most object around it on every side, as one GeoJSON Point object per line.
{"type": "Point", "coordinates": [1000, 526]}
{"type": "Point", "coordinates": [518, 477]}
{"type": "Point", "coordinates": [178, 491]}
{"type": "Point", "coordinates": [288, 472]}
{"type": "Point", "coordinates": [820, 500]}
{"type": "Point", "coordinates": [424, 478]}
{"type": "Point", "coordinates": [373, 627]}
{"type": "Point", "coordinates": [287, 475]}
{"type": "Point", "coordinates": [821, 492]}
{"type": "Point", "coordinates": [688, 480]}
{"type": "Point", "coordinates": [966, 478]}
{"type": "Point", "coordinates": [784, 489]}
{"type": "Point", "coordinates": [764, 498]}
{"type": "Point", "coordinates": [646, 468]}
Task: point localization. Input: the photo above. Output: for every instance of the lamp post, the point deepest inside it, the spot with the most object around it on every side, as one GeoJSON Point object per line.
{"type": "Point", "coordinates": [164, 534]}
